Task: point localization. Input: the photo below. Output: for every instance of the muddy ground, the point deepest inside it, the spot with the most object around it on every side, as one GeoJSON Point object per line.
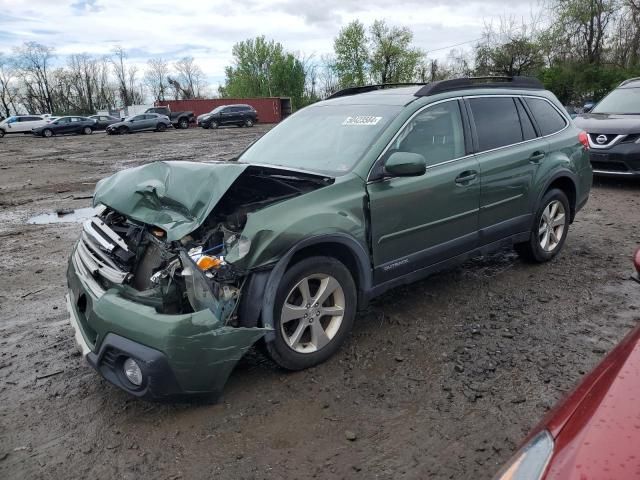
{"type": "Point", "coordinates": [440, 379]}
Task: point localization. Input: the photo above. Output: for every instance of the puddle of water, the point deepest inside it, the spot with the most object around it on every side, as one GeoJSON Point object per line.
{"type": "Point", "coordinates": [74, 216]}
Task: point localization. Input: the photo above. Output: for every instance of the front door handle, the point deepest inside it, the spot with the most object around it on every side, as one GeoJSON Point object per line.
{"type": "Point", "coordinates": [466, 177]}
{"type": "Point", "coordinates": [536, 157]}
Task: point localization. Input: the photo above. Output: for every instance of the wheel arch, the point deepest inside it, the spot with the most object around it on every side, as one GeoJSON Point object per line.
{"type": "Point", "coordinates": [263, 285]}
{"type": "Point", "coordinates": [566, 181]}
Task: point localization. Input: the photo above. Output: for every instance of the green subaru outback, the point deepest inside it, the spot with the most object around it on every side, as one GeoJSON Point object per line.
{"type": "Point", "coordinates": [186, 265]}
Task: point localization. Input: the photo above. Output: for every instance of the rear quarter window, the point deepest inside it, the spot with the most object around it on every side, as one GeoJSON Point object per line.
{"type": "Point", "coordinates": [549, 120]}
{"type": "Point", "coordinates": [497, 122]}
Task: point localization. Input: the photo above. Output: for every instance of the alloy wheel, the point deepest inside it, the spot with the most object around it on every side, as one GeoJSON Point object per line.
{"type": "Point", "coordinates": [551, 228]}
{"type": "Point", "coordinates": [312, 313]}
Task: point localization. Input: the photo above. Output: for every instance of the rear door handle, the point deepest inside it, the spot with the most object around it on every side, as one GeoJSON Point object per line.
{"type": "Point", "coordinates": [467, 176]}
{"type": "Point", "coordinates": [536, 157]}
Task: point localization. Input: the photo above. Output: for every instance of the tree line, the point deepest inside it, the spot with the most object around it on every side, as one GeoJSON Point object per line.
{"type": "Point", "coordinates": [580, 49]}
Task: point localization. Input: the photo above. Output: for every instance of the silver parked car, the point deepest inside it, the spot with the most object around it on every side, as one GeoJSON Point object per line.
{"type": "Point", "coordinates": [136, 123]}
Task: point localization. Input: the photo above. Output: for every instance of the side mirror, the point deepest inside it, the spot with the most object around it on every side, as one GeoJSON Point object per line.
{"type": "Point", "coordinates": [405, 164]}
{"type": "Point", "coordinates": [588, 107]}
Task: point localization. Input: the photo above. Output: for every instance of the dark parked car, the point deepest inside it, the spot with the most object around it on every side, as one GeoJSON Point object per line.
{"type": "Point", "coordinates": [188, 264]}
{"type": "Point", "coordinates": [240, 115]}
{"type": "Point", "coordinates": [103, 121]}
{"type": "Point", "coordinates": [137, 123]}
{"type": "Point", "coordinates": [178, 119]}
{"type": "Point", "coordinates": [64, 125]}
{"type": "Point", "coordinates": [613, 127]}
{"type": "Point", "coordinates": [595, 432]}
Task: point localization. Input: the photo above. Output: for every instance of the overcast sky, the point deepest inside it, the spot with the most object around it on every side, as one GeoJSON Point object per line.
{"type": "Point", "coordinates": [207, 30]}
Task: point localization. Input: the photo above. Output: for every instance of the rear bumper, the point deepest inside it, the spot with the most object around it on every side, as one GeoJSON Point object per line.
{"type": "Point", "coordinates": [621, 160]}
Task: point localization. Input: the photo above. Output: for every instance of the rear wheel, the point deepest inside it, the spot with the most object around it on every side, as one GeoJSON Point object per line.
{"type": "Point", "coordinates": [47, 132]}
{"type": "Point", "coordinates": [248, 122]}
{"type": "Point", "coordinates": [161, 127]}
{"type": "Point", "coordinates": [550, 228]}
{"type": "Point", "coordinates": [87, 130]}
{"type": "Point", "coordinates": [183, 123]}
{"type": "Point", "coordinates": [314, 312]}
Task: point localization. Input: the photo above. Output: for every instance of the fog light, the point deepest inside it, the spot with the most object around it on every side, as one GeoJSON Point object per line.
{"type": "Point", "coordinates": [132, 371]}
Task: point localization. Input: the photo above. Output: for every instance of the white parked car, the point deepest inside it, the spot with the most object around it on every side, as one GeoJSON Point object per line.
{"type": "Point", "coordinates": [23, 123]}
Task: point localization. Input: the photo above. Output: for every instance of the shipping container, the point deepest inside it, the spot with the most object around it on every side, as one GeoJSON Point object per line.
{"type": "Point", "coordinates": [270, 109]}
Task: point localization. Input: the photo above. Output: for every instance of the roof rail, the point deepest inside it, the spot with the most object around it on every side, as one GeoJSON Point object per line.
{"type": "Point", "coordinates": [370, 88]}
{"type": "Point", "coordinates": [628, 81]}
{"type": "Point", "coordinates": [434, 88]}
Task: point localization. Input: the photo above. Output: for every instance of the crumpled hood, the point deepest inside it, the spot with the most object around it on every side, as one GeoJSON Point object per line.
{"type": "Point", "coordinates": [175, 196]}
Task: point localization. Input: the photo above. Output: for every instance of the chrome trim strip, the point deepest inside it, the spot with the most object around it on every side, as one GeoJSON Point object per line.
{"type": "Point", "coordinates": [612, 172]}
{"type": "Point", "coordinates": [95, 250]}
{"type": "Point", "coordinates": [77, 333]}
{"type": "Point", "coordinates": [94, 265]}
{"type": "Point", "coordinates": [100, 225]}
{"type": "Point", "coordinates": [85, 276]}
{"type": "Point", "coordinates": [90, 230]}
{"type": "Point", "coordinates": [612, 143]}
{"type": "Point", "coordinates": [500, 202]}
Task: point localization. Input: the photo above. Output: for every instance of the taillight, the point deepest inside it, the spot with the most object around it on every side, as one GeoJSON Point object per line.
{"type": "Point", "coordinates": [584, 139]}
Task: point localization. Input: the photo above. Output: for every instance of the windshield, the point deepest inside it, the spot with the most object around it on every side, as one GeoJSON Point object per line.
{"type": "Point", "coordinates": [620, 101]}
{"type": "Point", "coordinates": [217, 109]}
{"type": "Point", "coordinates": [325, 138]}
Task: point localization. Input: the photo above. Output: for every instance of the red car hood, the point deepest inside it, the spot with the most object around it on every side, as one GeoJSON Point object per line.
{"type": "Point", "coordinates": [597, 428]}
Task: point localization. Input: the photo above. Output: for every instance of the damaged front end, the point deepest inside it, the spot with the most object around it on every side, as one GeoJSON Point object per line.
{"type": "Point", "coordinates": [150, 279]}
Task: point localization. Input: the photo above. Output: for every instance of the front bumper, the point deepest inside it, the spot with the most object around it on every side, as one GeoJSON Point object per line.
{"type": "Point", "coordinates": [181, 355]}
{"type": "Point", "coordinates": [622, 159]}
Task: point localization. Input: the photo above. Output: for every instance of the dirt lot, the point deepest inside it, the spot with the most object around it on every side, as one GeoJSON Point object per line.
{"type": "Point", "coordinates": [439, 380]}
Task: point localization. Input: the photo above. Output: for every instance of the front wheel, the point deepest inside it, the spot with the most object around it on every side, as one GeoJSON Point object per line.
{"type": "Point", "coordinates": [550, 228]}
{"type": "Point", "coordinates": [1, 133]}
{"type": "Point", "coordinates": [123, 130]}
{"type": "Point", "coordinates": [87, 130]}
{"type": "Point", "coordinates": [213, 124]}
{"type": "Point", "coordinates": [313, 313]}
{"type": "Point", "coordinates": [183, 123]}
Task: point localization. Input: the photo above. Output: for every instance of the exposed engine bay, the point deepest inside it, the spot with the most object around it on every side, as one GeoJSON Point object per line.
{"type": "Point", "coordinates": [192, 273]}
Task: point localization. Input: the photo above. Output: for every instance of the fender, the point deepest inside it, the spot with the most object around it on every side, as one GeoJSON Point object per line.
{"type": "Point", "coordinates": [262, 291]}
{"type": "Point", "coordinates": [563, 172]}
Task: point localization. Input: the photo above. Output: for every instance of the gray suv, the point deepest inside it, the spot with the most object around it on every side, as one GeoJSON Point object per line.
{"type": "Point", "coordinates": [613, 127]}
{"type": "Point", "coordinates": [137, 123]}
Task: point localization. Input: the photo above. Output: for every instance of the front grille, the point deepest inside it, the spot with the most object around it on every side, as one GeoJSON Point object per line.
{"type": "Point", "coordinates": [595, 136]}
{"type": "Point", "coordinates": [94, 250]}
{"type": "Point", "coordinates": [609, 166]}
{"type": "Point", "coordinates": [634, 137]}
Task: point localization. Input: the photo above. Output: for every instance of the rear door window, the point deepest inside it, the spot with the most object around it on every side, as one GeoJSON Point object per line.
{"type": "Point", "coordinates": [497, 122]}
{"type": "Point", "coordinates": [548, 118]}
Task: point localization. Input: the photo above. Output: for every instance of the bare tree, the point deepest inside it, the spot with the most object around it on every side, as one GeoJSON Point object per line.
{"type": "Point", "coordinates": [8, 89]}
{"type": "Point", "coordinates": [156, 78]}
{"type": "Point", "coordinates": [130, 94]}
{"type": "Point", "coordinates": [33, 61]}
{"type": "Point", "coordinates": [190, 77]}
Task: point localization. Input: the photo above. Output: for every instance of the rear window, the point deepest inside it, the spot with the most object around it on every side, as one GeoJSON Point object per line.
{"type": "Point", "coordinates": [548, 118]}
{"type": "Point", "coordinates": [497, 122]}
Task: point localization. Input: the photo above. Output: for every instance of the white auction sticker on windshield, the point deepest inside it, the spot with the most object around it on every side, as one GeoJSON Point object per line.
{"type": "Point", "coordinates": [362, 120]}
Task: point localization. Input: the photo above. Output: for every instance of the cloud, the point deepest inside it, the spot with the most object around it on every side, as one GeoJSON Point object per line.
{"type": "Point", "coordinates": [208, 30]}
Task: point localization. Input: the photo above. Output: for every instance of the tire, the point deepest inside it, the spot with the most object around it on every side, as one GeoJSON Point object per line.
{"type": "Point", "coordinates": [1, 133]}
{"type": "Point", "coordinates": [122, 130]}
{"type": "Point", "coordinates": [309, 337]}
{"type": "Point", "coordinates": [47, 132]}
{"type": "Point", "coordinates": [550, 228]}
{"type": "Point", "coordinates": [205, 126]}
{"type": "Point", "coordinates": [248, 122]}
{"type": "Point", "coordinates": [87, 130]}
{"type": "Point", "coordinates": [161, 127]}
{"type": "Point", "coordinates": [213, 124]}
{"type": "Point", "coordinates": [183, 123]}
